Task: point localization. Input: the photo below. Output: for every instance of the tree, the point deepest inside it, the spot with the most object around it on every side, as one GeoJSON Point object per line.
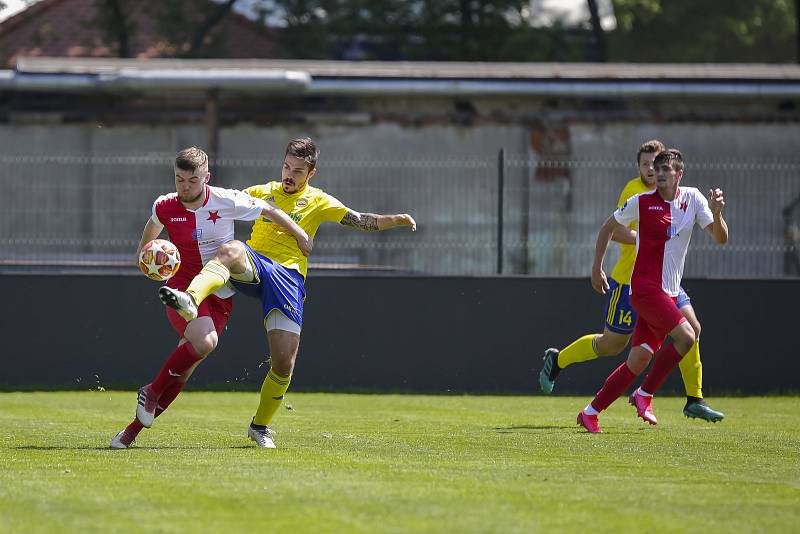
{"type": "Point", "coordinates": [184, 28]}
{"type": "Point", "coordinates": [598, 37]}
{"type": "Point", "coordinates": [712, 31]}
{"type": "Point", "coordinates": [464, 30]}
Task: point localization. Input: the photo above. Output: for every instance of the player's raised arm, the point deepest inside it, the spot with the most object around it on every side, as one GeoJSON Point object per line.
{"type": "Point", "coordinates": [150, 232]}
{"type": "Point", "coordinates": [719, 228]}
{"type": "Point", "coordinates": [280, 218]}
{"type": "Point", "coordinates": [599, 281]}
{"type": "Point", "coordinates": [371, 222]}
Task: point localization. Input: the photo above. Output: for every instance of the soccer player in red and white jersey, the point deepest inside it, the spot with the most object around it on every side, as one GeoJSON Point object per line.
{"type": "Point", "coordinates": [666, 217]}
{"type": "Point", "coordinates": [199, 218]}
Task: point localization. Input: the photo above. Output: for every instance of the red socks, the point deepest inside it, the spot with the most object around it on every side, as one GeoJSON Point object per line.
{"type": "Point", "coordinates": [180, 361]}
{"type": "Point", "coordinates": [164, 401]}
{"type": "Point", "coordinates": [615, 385]}
{"type": "Point", "coordinates": [666, 360]}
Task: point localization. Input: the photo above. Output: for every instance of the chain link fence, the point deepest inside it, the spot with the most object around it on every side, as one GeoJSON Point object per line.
{"type": "Point", "coordinates": [78, 214]}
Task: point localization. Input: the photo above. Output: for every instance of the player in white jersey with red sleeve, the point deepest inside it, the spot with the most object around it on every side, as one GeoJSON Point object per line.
{"type": "Point", "coordinates": [666, 218]}
{"type": "Point", "coordinates": [198, 219]}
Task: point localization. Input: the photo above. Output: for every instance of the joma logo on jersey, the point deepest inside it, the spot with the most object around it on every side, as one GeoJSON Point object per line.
{"type": "Point", "coordinates": [290, 308]}
{"type": "Point", "coordinates": [659, 208]}
{"type": "Point", "coordinates": [178, 219]}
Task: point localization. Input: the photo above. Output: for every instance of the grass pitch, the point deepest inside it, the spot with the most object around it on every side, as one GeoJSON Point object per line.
{"type": "Point", "coordinates": [396, 463]}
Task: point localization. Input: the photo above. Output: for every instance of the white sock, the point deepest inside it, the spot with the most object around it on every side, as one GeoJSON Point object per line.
{"type": "Point", "coordinates": [643, 393]}
{"type": "Point", "coordinates": [589, 410]}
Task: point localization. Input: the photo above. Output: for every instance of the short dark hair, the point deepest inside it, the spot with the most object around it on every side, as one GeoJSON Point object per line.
{"type": "Point", "coordinates": [191, 159]}
{"type": "Point", "coordinates": [305, 149]}
{"type": "Point", "coordinates": [649, 147]}
{"type": "Point", "coordinates": [670, 156]}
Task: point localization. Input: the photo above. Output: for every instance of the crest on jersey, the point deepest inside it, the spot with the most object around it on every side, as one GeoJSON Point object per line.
{"type": "Point", "coordinates": [684, 205]}
{"type": "Point", "coordinates": [302, 203]}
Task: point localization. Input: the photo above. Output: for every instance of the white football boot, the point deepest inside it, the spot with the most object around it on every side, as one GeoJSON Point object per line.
{"type": "Point", "coordinates": [123, 440]}
{"type": "Point", "coordinates": [262, 435]}
{"type": "Point", "coordinates": [146, 405]}
{"type": "Point", "coordinates": [178, 300]}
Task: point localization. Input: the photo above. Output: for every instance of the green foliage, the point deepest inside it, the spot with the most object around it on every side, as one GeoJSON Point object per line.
{"type": "Point", "coordinates": [706, 31]}
{"type": "Point", "coordinates": [396, 463]}
{"type": "Point", "coordinates": [455, 30]}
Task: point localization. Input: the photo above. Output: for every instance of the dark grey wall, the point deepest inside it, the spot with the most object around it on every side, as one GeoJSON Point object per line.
{"type": "Point", "coordinates": [383, 333]}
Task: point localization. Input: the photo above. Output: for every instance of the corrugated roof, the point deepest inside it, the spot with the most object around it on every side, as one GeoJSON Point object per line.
{"type": "Point", "coordinates": [431, 70]}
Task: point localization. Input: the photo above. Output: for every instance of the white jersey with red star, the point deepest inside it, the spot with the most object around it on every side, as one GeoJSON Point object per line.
{"type": "Point", "coordinates": [199, 233]}
{"type": "Point", "coordinates": [665, 229]}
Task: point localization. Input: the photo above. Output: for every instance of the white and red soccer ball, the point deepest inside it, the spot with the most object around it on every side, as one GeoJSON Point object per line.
{"type": "Point", "coordinates": [159, 259]}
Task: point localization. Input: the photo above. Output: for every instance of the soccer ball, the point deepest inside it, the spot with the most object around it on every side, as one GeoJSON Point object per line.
{"type": "Point", "coordinates": [159, 259]}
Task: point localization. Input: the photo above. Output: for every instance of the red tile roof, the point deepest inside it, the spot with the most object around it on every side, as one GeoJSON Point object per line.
{"type": "Point", "coordinates": [68, 28]}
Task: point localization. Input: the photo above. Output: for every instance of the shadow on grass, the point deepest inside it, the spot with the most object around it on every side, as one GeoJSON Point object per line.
{"type": "Point", "coordinates": [516, 429]}
{"type": "Point", "coordinates": [134, 448]}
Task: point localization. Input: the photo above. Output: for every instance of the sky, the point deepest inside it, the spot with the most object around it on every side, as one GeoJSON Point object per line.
{"type": "Point", "coordinates": [12, 8]}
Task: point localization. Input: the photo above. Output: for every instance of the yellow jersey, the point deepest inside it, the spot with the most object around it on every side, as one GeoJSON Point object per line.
{"type": "Point", "coordinates": [624, 268]}
{"type": "Point", "coordinates": [309, 208]}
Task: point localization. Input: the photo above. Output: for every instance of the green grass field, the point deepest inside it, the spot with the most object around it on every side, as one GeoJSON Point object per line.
{"type": "Point", "coordinates": [396, 463]}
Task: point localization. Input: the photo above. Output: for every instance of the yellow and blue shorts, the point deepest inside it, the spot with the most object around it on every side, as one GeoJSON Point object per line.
{"type": "Point", "coordinates": [277, 287]}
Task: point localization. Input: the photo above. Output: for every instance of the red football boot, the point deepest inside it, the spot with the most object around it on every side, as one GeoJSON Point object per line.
{"type": "Point", "coordinates": [589, 422]}
{"type": "Point", "coordinates": [644, 407]}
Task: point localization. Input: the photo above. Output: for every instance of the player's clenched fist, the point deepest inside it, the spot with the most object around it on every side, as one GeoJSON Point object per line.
{"type": "Point", "coordinates": [599, 281]}
{"type": "Point", "coordinates": [716, 201]}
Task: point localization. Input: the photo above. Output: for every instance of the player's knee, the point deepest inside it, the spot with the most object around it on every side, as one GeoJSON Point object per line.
{"type": "Point", "coordinates": [204, 345]}
{"type": "Point", "coordinates": [283, 364]}
{"type": "Point", "coordinates": [229, 253]}
{"type": "Point", "coordinates": [611, 344]}
{"type": "Point", "coordinates": [638, 359]}
{"type": "Point", "coordinates": [696, 327]}
{"type": "Point", "coordinates": [683, 337]}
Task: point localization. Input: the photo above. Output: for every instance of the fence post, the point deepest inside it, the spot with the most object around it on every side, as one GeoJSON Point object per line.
{"type": "Point", "coordinates": [501, 169]}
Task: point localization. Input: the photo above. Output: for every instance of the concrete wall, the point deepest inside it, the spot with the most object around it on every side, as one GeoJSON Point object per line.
{"type": "Point", "coordinates": [98, 193]}
{"type": "Point", "coordinates": [383, 334]}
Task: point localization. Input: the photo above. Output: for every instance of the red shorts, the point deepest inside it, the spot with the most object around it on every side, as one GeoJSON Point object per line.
{"type": "Point", "coordinates": [658, 315]}
{"type": "Point", "coordinates": [217, 308]}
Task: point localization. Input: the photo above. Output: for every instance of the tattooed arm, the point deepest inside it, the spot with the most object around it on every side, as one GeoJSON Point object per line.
{"type": "Point", "coordinates": [370, 222]}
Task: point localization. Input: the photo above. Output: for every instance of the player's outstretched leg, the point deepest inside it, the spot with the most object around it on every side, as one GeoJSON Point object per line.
{"type": "Point", "coordinates": [549, 372]}
{"type": "Point", "coordinates": [262, 435]}
{"type": "Point", "coordinates": [178, 300]}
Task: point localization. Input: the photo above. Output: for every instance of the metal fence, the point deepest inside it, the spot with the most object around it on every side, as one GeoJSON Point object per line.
{"type": "Point", "coordinates": [63, 213]}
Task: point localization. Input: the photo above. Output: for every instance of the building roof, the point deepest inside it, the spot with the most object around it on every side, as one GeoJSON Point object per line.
{"type": "Point", "coordinates": [67, 28]}
{"type": "Point", "coordinates": [431, 70]}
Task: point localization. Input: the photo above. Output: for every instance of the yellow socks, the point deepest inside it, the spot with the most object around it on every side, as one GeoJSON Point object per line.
{"type": "Point", "coordinates": [580, 350]}
{"type": "Point", "coordinates": [272, 391]}
{"type": "Point", "coordinates": [213, 276]}
{"type": "Point", "coordinates": [692, 372]}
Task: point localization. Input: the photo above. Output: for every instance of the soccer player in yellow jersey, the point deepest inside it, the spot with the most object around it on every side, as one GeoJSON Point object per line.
{"type": "Point", "coordinates": [270, 266]}
{"type": "Point", "coordinates": [620, 317]}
